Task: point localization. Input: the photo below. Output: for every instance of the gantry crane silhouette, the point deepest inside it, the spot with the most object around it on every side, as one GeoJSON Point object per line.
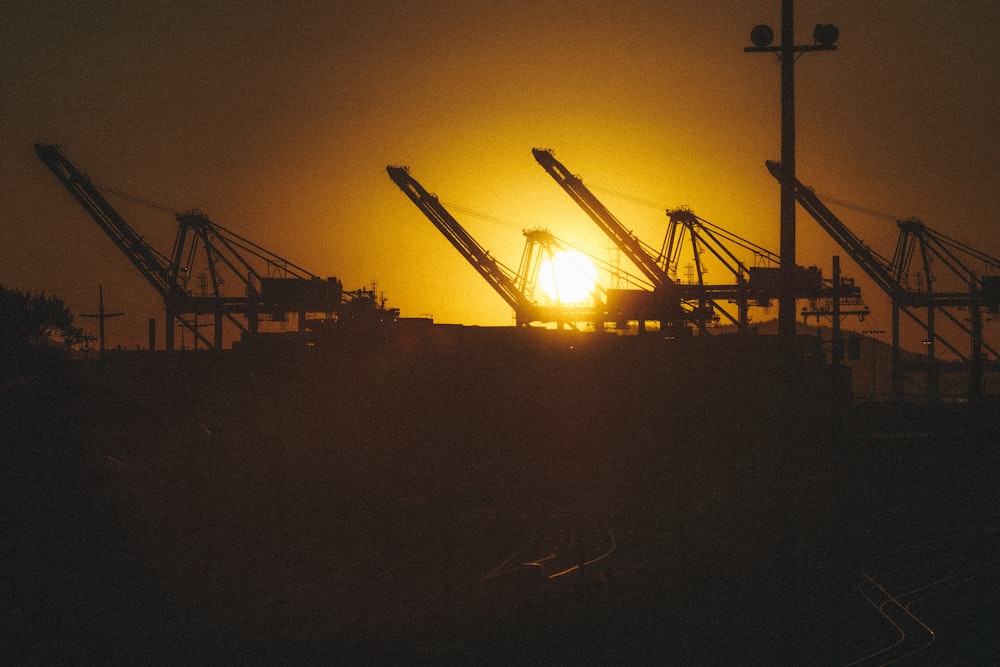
{"type": "Point", "coordinates": [245, 283]}
{"type": "Point", "coordinates": [700, 301]}
{"type": "Point", "coordinates": [516, 288]}
{"type": "Point", "coordinates": [970, 291]}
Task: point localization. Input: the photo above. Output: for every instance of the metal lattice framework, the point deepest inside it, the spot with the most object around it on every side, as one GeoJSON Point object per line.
{"type": "Point", "coordinates": [929, 274]}
{"type": "Point", "coordinates": [517, 289]}
{"type": "Point", "coordinates": [700, 301]}
{"type": "Point", "coordinates": [240, 282]}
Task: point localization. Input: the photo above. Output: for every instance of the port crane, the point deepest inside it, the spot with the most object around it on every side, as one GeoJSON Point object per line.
{"type": "Point", "coordinates": [684, 228]}
{"type": "Point", "coordinates": [750, 285]}
{"type": "Point", "coordinates": [921, 248]}
{"type": "Point", "coordinates": [515, 288]}
{"type": "Point", "coordinates": [500, 278]}
{"type": "Point", "coordinates": [635, 250]}
{"type": "Point", "coordinates": [663, 303]}
{"type": "Point", "coordinates": [270, 287]}
{"type": "Point", "coordinates": [541, 249]}
{"type": "Point", "coordinates": [759, 283]}
{"type": "Point", "coordinates": [700, 301]}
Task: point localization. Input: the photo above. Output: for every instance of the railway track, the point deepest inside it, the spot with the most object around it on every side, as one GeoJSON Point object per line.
{"type": "Point", "coordinates": [925, 596]}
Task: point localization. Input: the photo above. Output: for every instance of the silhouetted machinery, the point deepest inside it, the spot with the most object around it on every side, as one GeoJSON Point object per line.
{"type": "Point", "coordinates": [672, 304]}
{"type": "Point", "coordinates": [504, 281]}
{"type": "Point", "coordinates": [697, 301]}
{"type": "Point", "coordinates": [517, 289]}
{"type": "Point", "coordinates": [970, 292]}
{"type": "Point", "coordinates": [664, 301]}
{"type": "Point", "coordinates": [270, 288]}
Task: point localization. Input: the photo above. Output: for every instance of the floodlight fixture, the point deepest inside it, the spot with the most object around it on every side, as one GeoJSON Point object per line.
{"type": "Point", "coordinates": [761, 36]}
{"type": "Point", "coordinates": [826, 34]}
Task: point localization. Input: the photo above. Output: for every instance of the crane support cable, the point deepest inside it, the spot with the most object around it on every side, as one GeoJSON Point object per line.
{"type": "Point", "coordinates": [627, 197]}
{"type": "Point", "coordinates": [739, 240]}
{"type": "Point", "coordinates": [629, 244]}
{"type": "Point", "coordinates": [719, 231]}
{"type": "Point", "coordinates": [137, 199]}
{"type": "Point", "coordinates": [993, 262]}
{"type": "Point", "coordinates": [937, 236]}
{"type": "Point", "coordinates": [607, 267]}
{"type": "Point", "coordinates": [940, 238]}
{"type": "Point", "coordinates": [500, 277]}
{"type": "Point", "coordinates": [856, 207]}
{"type": "Point", "coordinates": [150, 263]}
{"type": "Point", "coordinates": [259, 251]}
{"type": "Point", "coordinates": [877, 267]}
{"type": "Point", "coordinates": [231, 236]}
{"type": "Point", "coordinates": [485, 216]}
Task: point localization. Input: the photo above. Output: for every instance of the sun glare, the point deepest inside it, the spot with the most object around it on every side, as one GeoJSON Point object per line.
{"type": "Point", "coordinates": [568, 277]}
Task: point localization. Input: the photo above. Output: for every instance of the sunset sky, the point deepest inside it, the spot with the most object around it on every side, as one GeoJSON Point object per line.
{"type": "Point", "coordinates": [278, 120]}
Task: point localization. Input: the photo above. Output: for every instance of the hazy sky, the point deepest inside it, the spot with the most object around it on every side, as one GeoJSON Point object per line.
{"type": "Point", "coordinates": [278, 120]}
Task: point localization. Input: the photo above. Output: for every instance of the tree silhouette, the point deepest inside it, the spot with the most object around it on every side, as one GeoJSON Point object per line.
{"type": "Point", "coordinates": [33, 328]}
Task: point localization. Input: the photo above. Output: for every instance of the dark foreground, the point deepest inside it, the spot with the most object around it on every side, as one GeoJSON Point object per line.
{"type": "Point", "coordinates": [532, 501]}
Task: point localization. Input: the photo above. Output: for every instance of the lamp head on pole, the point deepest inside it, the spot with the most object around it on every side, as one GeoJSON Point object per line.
{"type": "Point", "coordinates": [826, 35]}
{"type": "Point", "coordinates": [761, 36]}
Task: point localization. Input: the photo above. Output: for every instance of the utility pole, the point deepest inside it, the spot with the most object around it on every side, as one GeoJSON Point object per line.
{"type": "Point", "coordinates": [101, 315]}
{"type": "Point", "coordinates": [762, 36]}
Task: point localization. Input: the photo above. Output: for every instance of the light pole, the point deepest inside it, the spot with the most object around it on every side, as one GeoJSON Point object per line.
{"type": "Point", "coordinates": [762, 36]}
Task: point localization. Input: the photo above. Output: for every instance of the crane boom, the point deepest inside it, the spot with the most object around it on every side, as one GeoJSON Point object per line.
{"type": "Point", "coordinates": [261, 284]}
{"type": "Point", "coordinates": [498, 276]}
{"type": "Point", "coordinates": [892, 276]}
{"type": "Point", "coordinates": [871, 262]}
{"type": "Point", "coordinates": [150, 263]}
{"type": "Point", "coordinates": [609, 224]}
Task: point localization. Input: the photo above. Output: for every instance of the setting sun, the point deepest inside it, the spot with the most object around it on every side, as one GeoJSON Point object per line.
{"type": "Point", "coordinates": [568, 277]}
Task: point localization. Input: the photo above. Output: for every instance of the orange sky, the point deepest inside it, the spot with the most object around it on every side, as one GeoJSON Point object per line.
{"type": "Point", "coordinates": [278, 120]}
